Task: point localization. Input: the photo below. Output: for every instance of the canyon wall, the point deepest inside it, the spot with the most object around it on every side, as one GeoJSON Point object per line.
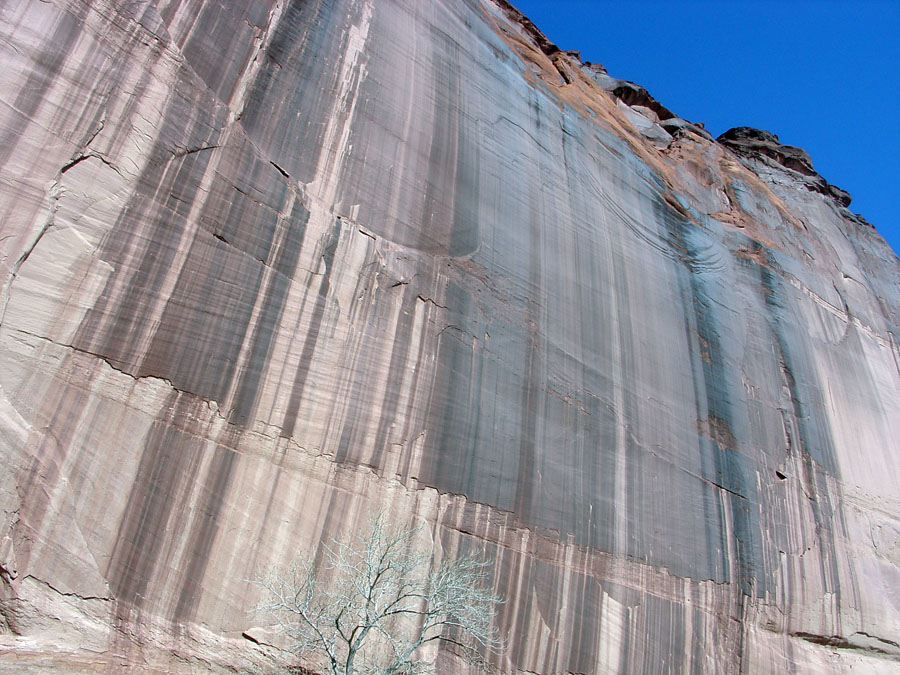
{"type": "Point", "coordinates": [270, 267]}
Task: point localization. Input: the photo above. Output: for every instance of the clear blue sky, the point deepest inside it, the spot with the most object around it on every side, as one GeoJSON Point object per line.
{"type": "Point", "coordinates": [821, 74]}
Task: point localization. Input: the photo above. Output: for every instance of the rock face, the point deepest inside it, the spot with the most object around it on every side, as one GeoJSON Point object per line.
{"type": "Point", "coordinates": [759, 144]}
{"type": "Point", "coordinates": [270, 266]}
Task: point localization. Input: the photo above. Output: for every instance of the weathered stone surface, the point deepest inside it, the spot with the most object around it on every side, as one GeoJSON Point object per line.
{"type": "Point", "coordinates": [759, 144]}
{"type": "Point", "coordinates": [267, 267]}
{"type": "Point", "coordinates": [766, 143]}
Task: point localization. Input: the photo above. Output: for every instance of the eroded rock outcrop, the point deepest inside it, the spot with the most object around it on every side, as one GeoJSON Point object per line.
{"type": "Point", "coordinates": [758, 144]}
{"type": "Point", "coordinates": [268, 267]}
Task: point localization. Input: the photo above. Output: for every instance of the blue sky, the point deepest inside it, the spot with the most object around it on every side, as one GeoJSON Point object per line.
{"type": "Point", "coordinates": [821, 74]}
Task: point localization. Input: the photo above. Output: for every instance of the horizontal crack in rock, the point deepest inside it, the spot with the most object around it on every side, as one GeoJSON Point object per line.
{"type": "Point", "coordinates": [70, 594]}
{"type": "Point", "coordinates": [432, 301]}
{"type": "Point", "coordinates": [891, 649]}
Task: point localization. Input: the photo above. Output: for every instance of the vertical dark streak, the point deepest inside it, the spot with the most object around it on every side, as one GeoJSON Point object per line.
{"type": "Point", "coordinates": [169, 462]}
{"type": "Point", "coordinates": [33, 93]}
{"type": "Point", "coordinates": [204, 528]}
{"type": "Point", "coordinates": [395, 375]}
{"type": "Point", "coordinates": [309, 345]}
{"type": "Point", "coordinates": [276, 296]}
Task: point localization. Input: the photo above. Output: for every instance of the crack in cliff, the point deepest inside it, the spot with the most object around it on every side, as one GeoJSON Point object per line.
{"type": "Point", "coordinates": [280, 170]}
{"type": "Point", "coordinates": [69, 594]}
{"type": "Point", "coordinates": [96, 132]}
{"type": "Point", "coordinates": [567, 398]}
{"type": "Point", "coordinates": [54, 191]}
{"type": "Point", "coordinates": [180, 151]}
{"type": "Point", "coordinates": [879, 639]}
{"type": "Point", "coordinates": [90, 155]}
{"type": "Point", "coordinates": [212, 405]}
{"type": "Point", "coordinates": [538, 143]}
{"type": "Point", "coordinates": [684, 470]}
{"type": "Point", "coordinates": [890, 649]}
{"type": "Point", "coordinates": [262, 37]}
{"type": "Point", "coordinates": [428, 300]}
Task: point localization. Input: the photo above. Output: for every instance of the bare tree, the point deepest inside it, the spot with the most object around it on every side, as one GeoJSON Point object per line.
{"type": "Point", "coordinates": [380, 605]}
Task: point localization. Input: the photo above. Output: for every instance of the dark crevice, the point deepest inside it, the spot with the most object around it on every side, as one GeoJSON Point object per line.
{"type": "Point", "coordinates": [74, 162]}
{"type": "Point", "coordinates": [252, 639]}
{"type": "Point", "coordinates": [121, 369]}
{"type": "Point", "coordinates": [184, 152]}
{"type": "Point", "coordinates": [841, 642]}
{"type": "Point", "coordinates": [431, 300]}
{"type": "Point", "coordinates": [70, 594]}
{"type": "Point", "coordinates": [91, 155]}
{"type": "Point", "coordinates": [880, 639]}
{"type": "Point", "coordinates": [280, 170]}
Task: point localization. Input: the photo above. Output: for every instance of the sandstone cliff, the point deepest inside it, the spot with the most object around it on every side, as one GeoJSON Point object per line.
{"type": "Point", "coordinates": [269, 266]}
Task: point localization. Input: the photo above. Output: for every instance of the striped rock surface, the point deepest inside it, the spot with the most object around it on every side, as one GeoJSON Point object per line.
{"type": "Point", "coordinates": [268, 267]}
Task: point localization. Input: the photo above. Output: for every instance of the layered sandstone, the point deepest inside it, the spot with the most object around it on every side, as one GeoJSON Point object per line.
{"type": "Point", "coordinates": [267, 267]}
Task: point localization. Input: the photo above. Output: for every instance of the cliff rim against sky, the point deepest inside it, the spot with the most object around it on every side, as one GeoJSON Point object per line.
{"type": "Point", "coordinates": [270, 268]}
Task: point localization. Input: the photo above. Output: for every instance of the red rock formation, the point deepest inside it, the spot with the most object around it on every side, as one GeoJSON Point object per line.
{"type": "Point", "coordinates": [268, 267]}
